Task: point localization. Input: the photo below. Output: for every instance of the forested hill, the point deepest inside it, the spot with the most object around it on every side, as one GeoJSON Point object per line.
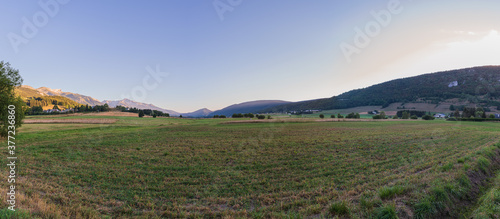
{"type": "Point", "coordinates": [478, 84]}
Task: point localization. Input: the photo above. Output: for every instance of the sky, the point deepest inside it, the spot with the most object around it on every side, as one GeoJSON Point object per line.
{"type": "Point", "coordinates": [185, 55]}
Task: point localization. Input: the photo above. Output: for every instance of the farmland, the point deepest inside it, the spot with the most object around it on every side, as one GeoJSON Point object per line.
{"type": "Point", "coordinates": [171, 167]}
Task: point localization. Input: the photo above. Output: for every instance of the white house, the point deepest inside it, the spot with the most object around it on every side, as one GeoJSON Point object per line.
{"type": "Point", "coordinates": [497, 116]}
{"type": "Point", "coordinates": [439, 115]}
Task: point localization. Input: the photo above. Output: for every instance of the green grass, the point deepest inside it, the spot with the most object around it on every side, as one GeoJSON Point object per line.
{"type": "Point", "coordinates": [340, 208]}
{"type": "Point", "coordinates": [489, 203]}
{"type": "Point", "coordinates": [18, 214]}
{"type": "Point", "coordinates": [387, 212]}
{"type": "Point", "coordinates": [170, 167]}
{"type": "Point", "coordinates": [390, 192]}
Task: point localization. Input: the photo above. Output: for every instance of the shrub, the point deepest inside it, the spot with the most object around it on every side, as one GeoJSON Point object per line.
{"type": "Point", "coordinates": [377, 117]}
{"type": "Point", "coordinates": [321, 116]}
{"type": "Point", "coordinates": [332, 116]}
{"type": "Point", "coordinates": [261, 117]}
{"type": "Point", "coordinates": [413, 117]}
{"type": "Point", "coordinates": [340, 116]}
{"type": "Point", "coordinates": [428, 117]}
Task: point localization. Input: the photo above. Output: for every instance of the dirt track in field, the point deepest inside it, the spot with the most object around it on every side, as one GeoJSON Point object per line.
{"type": "Point", "coordinates": [70, 121]}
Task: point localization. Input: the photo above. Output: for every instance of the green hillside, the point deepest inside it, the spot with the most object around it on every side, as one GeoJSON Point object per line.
{"type": "Point", "coordinates": [26, 92]}
{"type": "Point", "coordinates": [34, 98]}
{"type": "Point", "coordinates": [479, 85]}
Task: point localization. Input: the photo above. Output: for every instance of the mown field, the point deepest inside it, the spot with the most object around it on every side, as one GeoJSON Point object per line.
{"type": "Point", "coordinates": [178, 168]}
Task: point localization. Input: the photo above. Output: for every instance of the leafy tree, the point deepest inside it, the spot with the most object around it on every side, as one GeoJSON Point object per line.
{"type": "Point", "coordinates": [382, 115]}
{"type": "Point", "coordinates": [180, 116]}
{"type": "Point", "coordinates": [269, 117]}
{"type": "Point", "coordinates": [9, 79]}
{"type": "Point", "coordinates": [357, 116]}
{"type": "Point", "coordinates": [154, 115]}
{"type": "Point", "coordinates": [340, 116]}
{"type": "Point", "coordinates": [456, 113]}
{"type": "Point", "coordinates": [141, 113]}
{"type": "Point", "coordinates": [222, 116]}
{"type": "Point", "coordinates": [332, 116]}
{"type": "Point", "coordinates": [321, 116]}
{"type": "Point", "coordinates": [216, 116]}
{"type": "Point", "coordinates": [405, 115]}
{"type": "Point", "coordinates": [261, 117]}
{"type": "Point", "coordinates": [395, 117]}
{"type": "Point", "coordinates": [414, 117]}
{"type": "Point", "coordinates": [492, 116]}
{"type": "Point", "coordinates": [452, 108]}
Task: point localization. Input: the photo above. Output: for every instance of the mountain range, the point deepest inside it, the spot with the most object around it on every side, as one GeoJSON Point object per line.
{"type": "Point", "coordinates": [473, 86]}
{"type": "Point", "coordinates": [28, 91]}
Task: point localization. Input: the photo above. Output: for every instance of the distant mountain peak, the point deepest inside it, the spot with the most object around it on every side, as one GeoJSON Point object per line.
{"type": "Point", "coordinates": [47, 90]}
{"type": "Point", "coordinates": [134, 104]}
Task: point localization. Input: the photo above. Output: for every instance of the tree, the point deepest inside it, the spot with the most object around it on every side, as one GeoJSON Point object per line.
{"type": "Point", "coordinates": [154, 115]}
{"type": "Point", "coordinates": [216, 116]}
{"type": "Point", "coordinates": [105, 108]}
{"type": "Point", "coordinates": [414, 117]}
{"type": "Point", "coordinates": [55, 107]}
{"type": "Point", "coordinates": [321, 116]}
{"type": "Point", "coordinates": [456, 113]}
{"type": "Point", "coordinates": [405, 115]}
{"type": "Point", "coordinates": [382, 115]}
{"type": "Point", "coordinates": [350, 115]}
{"type": "Point", "coordinates": [395, 117]}
{"type": "Point", "coordinates": [332, 116]}
{"type": "Point", "coordinates": [141, 113]}
{"type": "Point", "coordinates": [269, 117]}
{"type": "Point", "coordinates": [340, 116]}
{"type": "Point", "coordinates": [357, 116]}
{"type": "Point", "coordinates": [10, 105]}
{"type": "Point", "coordinates": [452, 108]}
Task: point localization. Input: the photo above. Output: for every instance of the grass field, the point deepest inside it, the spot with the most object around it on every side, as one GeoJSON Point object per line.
{"type": "Point", "coordinates": [171, 167]}
{"type": "Point", "coordinates": [489, 204]}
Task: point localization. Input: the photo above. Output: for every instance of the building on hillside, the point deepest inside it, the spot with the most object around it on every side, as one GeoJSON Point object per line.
{"type": "Point", "coordinates": [439, 115]}
{"type": "Point", "coordinates": [497, 115]}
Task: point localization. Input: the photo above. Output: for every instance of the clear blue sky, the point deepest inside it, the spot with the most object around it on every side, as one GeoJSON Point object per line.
{"type": "Point", "coordinates": [263, 49]}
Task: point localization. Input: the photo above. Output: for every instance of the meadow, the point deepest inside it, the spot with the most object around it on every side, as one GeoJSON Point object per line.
{"type": "Point", "coordinates": [199, 168]}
